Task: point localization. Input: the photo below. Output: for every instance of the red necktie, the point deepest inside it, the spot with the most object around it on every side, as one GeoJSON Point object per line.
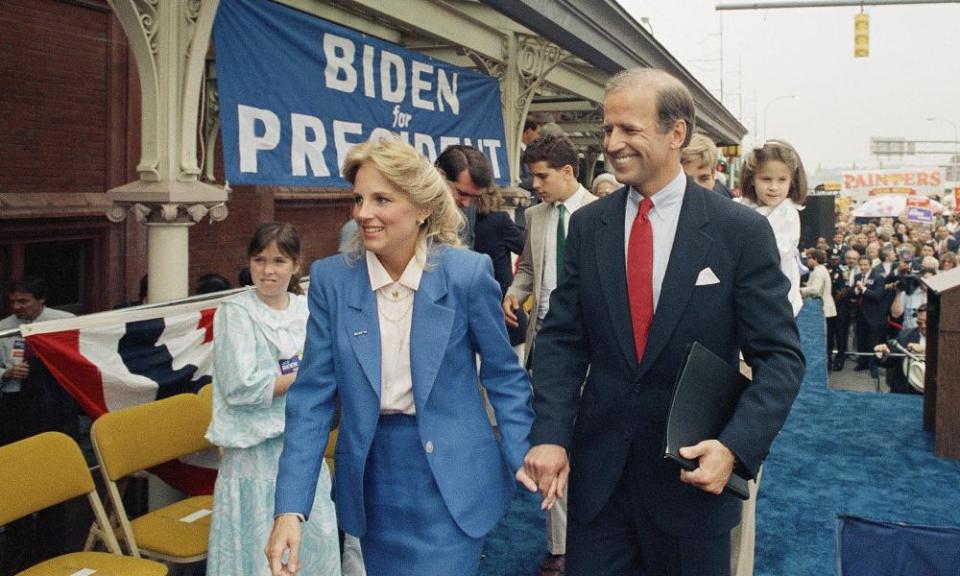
{"type": "Point", "coordinates": [640, 276]}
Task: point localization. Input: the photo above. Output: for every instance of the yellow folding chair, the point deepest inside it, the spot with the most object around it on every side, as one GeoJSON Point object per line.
{"type": "Point", "coordinates": [138, 437]}
{"type": "Point", "coordinates": [48, 469]}
{"type": "Point", "coordinates": [328, 453]}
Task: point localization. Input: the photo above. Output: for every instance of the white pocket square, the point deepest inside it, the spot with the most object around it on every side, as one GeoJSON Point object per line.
{"type": "Point", "coordinates": [707, 277]}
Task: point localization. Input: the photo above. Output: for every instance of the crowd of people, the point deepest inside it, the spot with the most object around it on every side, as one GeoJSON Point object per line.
{"type": "Point", "coordinates": [877, 271]}
{"type": "Point", "coordinates": [614, 282]}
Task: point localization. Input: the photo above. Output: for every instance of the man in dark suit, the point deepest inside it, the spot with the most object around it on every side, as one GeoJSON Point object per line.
{"type": "Point", "coordinates": [843, 277]}
{"type": "Point", "coordinates": [870, 287]}
{"type": "Point", "coordinates": [468, 173]}
{"type": "Point", "coordinates": [641, 283]}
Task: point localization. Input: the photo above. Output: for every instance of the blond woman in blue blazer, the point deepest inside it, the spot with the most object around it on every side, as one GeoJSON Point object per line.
{"type": "Point", "coordinates": [395, 329]}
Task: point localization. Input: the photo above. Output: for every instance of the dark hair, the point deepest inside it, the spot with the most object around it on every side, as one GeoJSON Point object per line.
{"type": "Point", "coordinates": [672, 98]}
{"type": "Point", "coordinates": [557, 151]}
{"type": "Point", "coordinates": [780, 151]}
{"type": "Point", "coordinates": [33, 285]}
{"type": "Point", "coordinates": [143, 288]}
{"type": "Point", "coordinates": [288, 243]}
{"type": "Point", "coordinates": [459, 157]}
{"type": "Point", "coordinates": [817, 254]}
{"type": "Point", "coordinates": [530, 124]}
{"type": "Point", "coordinates": [212, 283]}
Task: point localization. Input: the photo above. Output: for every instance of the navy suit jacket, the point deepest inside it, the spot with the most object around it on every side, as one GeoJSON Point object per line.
{"type": "Point", "coordinates": [456, 315]}
{"type": "Point", "coordinates": [623, 407]}
{"type": "Point", "coordinates": [876, 302]}
{"type": "Point", "coordinates": [497, 236]}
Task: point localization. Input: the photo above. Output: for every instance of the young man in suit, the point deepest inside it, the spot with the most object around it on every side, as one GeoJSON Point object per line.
{"type": "Point", "coordinates": [554, 164]}
{"type": "Point", "coordinates": [648, 270]}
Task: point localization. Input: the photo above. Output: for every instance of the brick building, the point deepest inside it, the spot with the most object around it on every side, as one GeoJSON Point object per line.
{"type": "Point", "coordinates": [73, 105]}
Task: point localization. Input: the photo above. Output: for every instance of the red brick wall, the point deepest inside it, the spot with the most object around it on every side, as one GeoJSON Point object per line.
{"type": "Point", "coordinates": [54, 89]}
{"type": "Point", "coordinates": [221, 247]}
{"type": "Point", "coordinates": [318, 223]}
{"type": "Point", "coordinates": [70, 99]}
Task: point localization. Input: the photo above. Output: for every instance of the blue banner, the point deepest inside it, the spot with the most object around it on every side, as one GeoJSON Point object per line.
{"type": "Point", "coordinates": [297, 92]}
{"type": "Point", "coordinates": [875, 548]}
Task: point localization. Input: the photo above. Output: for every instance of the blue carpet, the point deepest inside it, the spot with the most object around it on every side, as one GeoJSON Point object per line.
{"type": "Point", "coordinates": [860, 454]}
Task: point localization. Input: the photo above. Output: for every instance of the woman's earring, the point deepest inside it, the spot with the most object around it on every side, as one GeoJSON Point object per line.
{"type": "Point", "coordinates": [420, 222]}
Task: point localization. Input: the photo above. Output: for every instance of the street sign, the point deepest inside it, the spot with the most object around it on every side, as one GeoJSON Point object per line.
{"type": "Point", "coordinates": [883, 146]}
{"type": "Point", "coordinates": [924, 215]}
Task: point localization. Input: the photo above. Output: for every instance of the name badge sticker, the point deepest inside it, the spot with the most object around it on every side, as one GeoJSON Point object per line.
{"type": "Point", "coordinates": [289, 365]}
{"type": "Point", "coordinates": [19, 349]}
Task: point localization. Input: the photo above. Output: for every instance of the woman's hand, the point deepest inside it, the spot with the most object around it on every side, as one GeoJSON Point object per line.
{"type": "Point", "coordinates": [284, 537]}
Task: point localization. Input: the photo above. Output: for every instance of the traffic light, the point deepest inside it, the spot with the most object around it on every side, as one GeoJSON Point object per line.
{"type": "Point", "coordinates": [732, 151]}
{"type": "Point", "coordinates": [861, 35]}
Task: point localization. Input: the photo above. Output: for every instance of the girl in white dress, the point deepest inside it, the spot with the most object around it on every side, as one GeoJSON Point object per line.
{"type": "Point", "coordinates": [774, 184]}
{"type": "Point", "coordinates": [258, 341]}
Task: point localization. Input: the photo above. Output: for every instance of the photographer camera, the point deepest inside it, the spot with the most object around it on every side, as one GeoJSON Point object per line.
{"type": "Point", "coordinates": [914, 341]}
{"type": "Point", "coordinates": [911, 295]}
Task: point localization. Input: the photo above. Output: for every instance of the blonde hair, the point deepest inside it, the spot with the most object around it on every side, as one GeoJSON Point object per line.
{"type": "Point", "coordinates": [702, 150]}
{"type": "Point", "coordinates": [780, 151]}
{"type": "Point", "coordinates": [413, 175]}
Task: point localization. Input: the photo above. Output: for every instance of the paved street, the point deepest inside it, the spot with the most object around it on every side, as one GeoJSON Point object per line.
{"type": "Point", "coordinates": [849, 379]}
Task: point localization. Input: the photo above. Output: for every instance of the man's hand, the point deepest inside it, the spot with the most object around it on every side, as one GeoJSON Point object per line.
{"type": "Point", "coordinates": [881, 350]}
{"type": "Point", "coordinates": [17, 372]}
{"type": "Point", "coordinates": [917, 348]}
{"type": "Point", "coordinates": [548, 466]}
{"type": "Point", "coordinates": [285, 536]}
{"type": "Point", "coordinates": [715, 466]}
{"type": "Point", "coordinates": [510, 306]}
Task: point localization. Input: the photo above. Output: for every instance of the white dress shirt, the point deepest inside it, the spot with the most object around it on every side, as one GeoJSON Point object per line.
{"type": "Point", "coordinates": [395, 315]}
{"type": "Point", "coordinates": [549, 280]}
{"type": "Point", "coordinates": [12, 349]}
{"type": "Point", "coordinates": [784, 218]}
{"type": "Point", "coordinates": [663, 219]}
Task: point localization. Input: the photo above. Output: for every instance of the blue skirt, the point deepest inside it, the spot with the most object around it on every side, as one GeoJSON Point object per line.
{"type": "Point", "coordinates": [410, 532]}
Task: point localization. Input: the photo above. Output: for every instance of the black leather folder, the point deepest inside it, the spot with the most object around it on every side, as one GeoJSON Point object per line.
{"type": "Point", "coordinates": [704, 399]}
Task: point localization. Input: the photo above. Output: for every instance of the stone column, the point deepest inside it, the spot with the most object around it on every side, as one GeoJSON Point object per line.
{"type": "Point", "coordinates": [169, 40]}
{"type": "Point", "coordinates": [528, 60]}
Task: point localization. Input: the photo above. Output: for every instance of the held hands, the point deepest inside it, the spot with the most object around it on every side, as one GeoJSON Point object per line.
{"type": "Point", "coordinates": [548, 467]}
{"type": "Point", "coordinates": [715, 466]}
{"type": "Point", "coordinates": [17, 372]}
{"type": "Point", "coordinates": [510, 306]}
{"type": "Point", "coordinates": [284, 537]}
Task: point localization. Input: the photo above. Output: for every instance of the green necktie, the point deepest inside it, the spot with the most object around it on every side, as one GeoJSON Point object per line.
{"type": "Point", "coordinates": [561, 238]}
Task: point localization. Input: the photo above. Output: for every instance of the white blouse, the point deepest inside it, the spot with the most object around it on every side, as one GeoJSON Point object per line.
{"type": "Point", "coordinates": [395, 314]}
{"type": "Point", "coordinates": [784, 218]}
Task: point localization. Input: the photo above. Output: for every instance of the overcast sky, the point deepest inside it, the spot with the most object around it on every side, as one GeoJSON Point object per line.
{"type": "Point", "coordinates": [912, 73]}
